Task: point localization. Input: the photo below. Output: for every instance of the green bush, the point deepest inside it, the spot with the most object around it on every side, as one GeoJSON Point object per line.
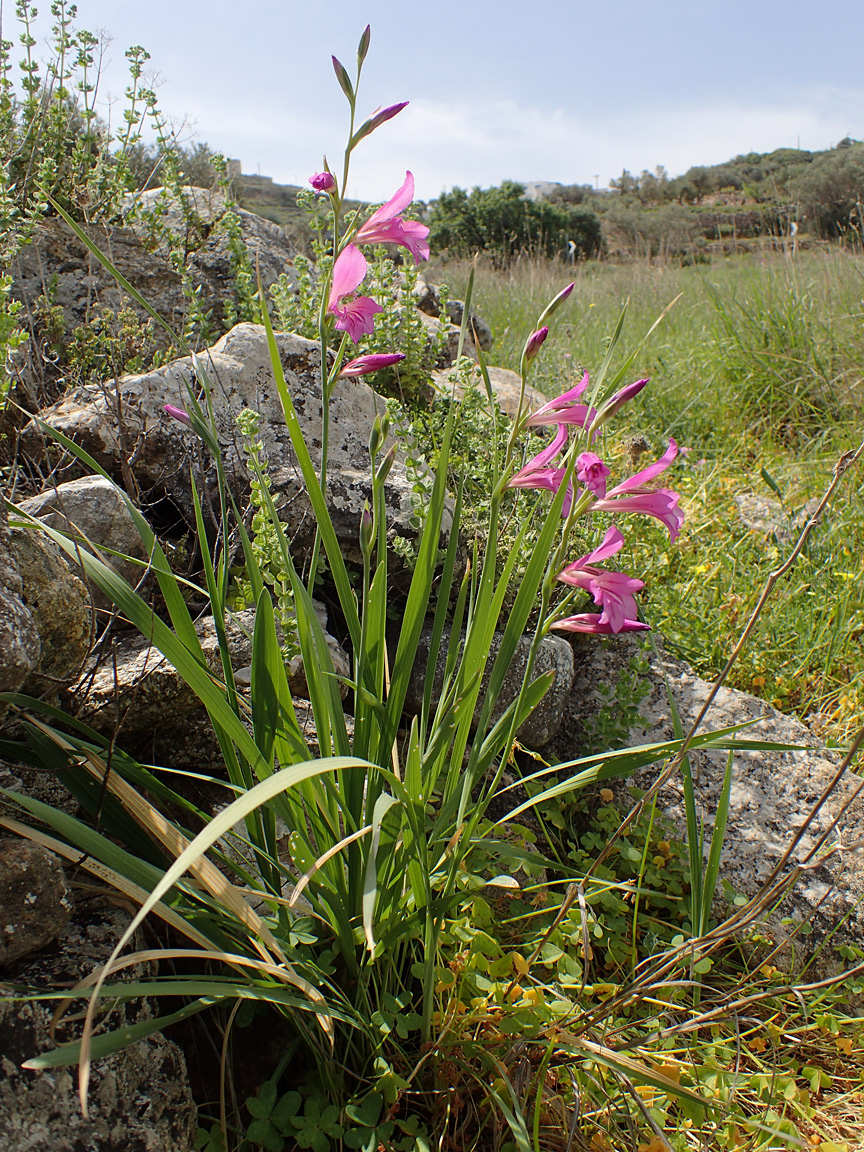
{"type": "Point", "coordinates": [502, 222]}
{"type": "Point", "coordinates": [831, 193]}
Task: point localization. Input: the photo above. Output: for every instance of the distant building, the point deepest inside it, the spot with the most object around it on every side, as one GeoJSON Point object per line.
{"type": "Point", "coordinates": [539, 189]}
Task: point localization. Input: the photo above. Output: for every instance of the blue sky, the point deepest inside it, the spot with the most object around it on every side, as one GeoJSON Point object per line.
{"type": "Point", "coordinates": [564, 90]}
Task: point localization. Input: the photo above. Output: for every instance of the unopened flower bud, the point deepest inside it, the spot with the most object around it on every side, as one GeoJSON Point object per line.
{"type": "Point", "coordinates": [532, 346]}
{"type": "Point", "coordinates": [371, 363]}
{"type": "Point", "coordinates": [375, 120]}
{"type": "Point", "coordinates": [378, 435]}
{"type": "Point", "coordinates": [322, 181]}
{"type": "Point", "coordinates": [178, 414]}
{"type": "Point", "coordinates": [363, 46]}
{"type": "Point", "coordinates": [366, 530]}
{"type": "Point", "coordinates": [557, 302]}
{"type": "Point", "coordinates": [343, 78]}
{"type": "Point", "coordinates": [614, 403]}
{"type": "Point", "coordinates": [384, 467]}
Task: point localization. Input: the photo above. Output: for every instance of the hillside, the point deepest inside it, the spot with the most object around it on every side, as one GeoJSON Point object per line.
{"type": "Point", "coordinates": [708, 210]}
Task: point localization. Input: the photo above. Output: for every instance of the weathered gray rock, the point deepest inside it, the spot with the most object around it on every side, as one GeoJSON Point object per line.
{"type": "Point", "coordinates": [207, 236]}
{"type": "Point", "coordinates": [62, 270]}
{"type": "Point", "coordinates": [193, 747]}
{"type": "Point", "coordinates": [34, 904]}
{"type": "Point", "coordinates": [19, 637]}
{"type": "Point", "coordinates": [134, 685]}
{"type": "Point", "coordinates": [554, 655]}
{"type": "Point", "coordinates": [239, 370]}
{"type": "Point", "coordinates": [481, 332]}
{"type": "Point", "coordinates": [773, 793]}
{"type": "Point", "coordinates": [768, 517]}
{"type": "Point", "coordinates": [93, 512]}
{"type": "Point", "coordinates": [429, 301]}
{"type": "Point", "coordinates": [139, 1098]}
{"type": "Point", "coordinates": [449, 353]}
{"type": "Point", "coordinates": [59, 606]}
{"type": "Point", "coordinates": [506, 386]}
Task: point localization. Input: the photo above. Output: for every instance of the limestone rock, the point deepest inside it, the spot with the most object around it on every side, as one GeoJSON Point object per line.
{"type": "Point", "coordinates": [429, 301]}
{"type": "Point", "coordinates": [481, 332]}
{"type": "Point", "coordinates": [19, 637]}
{"type": "Point", "coordinates": [139, 1097]}
{"type": "Point", "coordinates": [193, 747]}
{"type": "Point", "coordinates": [59, 606]}
{"type": "Point", "coordinates": [768, 517]}
{"type": "Point", "coordinates": [554, 655]}
{"type": "Point", "coordinates": [239, 370]}
{"type": "Point", "coordinates": [92, 510]}
{"type": "Point", "coordinates": [773, 793]}
{"type": "Point", "coordinates": [506, 386]}
{"type": "Point", "coordinates": [137, 686]}
{"type": "Point", "coordinates": [448, 355]}
{"type": "Point", "coordinates": [34, 906]}
{"type": "Point", "coordinates": [208, 239]}
{"type": "Point", "coordinates": [58, 267]}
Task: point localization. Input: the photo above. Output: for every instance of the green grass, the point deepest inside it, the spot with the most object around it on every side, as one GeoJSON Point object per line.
{"type": "Point", "coordinates": [757, 371]}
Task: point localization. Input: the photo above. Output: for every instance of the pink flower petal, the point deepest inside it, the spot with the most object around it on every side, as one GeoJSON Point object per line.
{"type": "Point", "coordinates": [641, 478]}
{"type": "Point", "coordinates": [356, 317]}
{"type": "Point", "coordinates": [348, 273]}
{"type": "Point", "coordinates": [592, 622]}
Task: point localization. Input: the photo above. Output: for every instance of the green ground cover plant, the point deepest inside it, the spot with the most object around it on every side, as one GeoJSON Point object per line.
{"type": "Point", "coordinates": [439, 976]}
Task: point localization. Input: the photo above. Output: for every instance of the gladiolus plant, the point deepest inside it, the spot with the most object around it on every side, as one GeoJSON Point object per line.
{"type": "Point", "coordinates": [359, 849]}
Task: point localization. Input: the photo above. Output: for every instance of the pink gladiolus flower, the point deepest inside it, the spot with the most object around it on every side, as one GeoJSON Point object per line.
{"type": "Point", "coordinates": [356, 315]}
{"type": "Point", "coordinates": [370, 363]}
{"type": "Point", "coordinates": [564, 409]}
{"type": "Point", "coordinates": [631, 495]}
{"type": "Point", "coordinates": [540, 462]}
{"type": "Point", "coordinates": [591, 622]}
{"type": "Point", "coordinates": [178, 413]}
{"type": "Point", "coordinates": [592, 472]}
{"type": "Point", "coordinates": [612, 590]}
{"type": "Point", "coordinates": [322, 181]}
{"type": "Point", "coordinates": [386, 226]}
{"type": "Point", "coordinates": [532, 347]}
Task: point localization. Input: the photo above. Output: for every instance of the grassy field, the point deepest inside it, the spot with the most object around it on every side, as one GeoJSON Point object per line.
{"type": "Point", "coordinates": [757, 373]}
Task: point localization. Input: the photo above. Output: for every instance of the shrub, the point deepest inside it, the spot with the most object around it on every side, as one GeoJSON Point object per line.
{"type": "Point", "coordinates": [831, 193]}
{"type": "Point", "coordinates": [502, 222]}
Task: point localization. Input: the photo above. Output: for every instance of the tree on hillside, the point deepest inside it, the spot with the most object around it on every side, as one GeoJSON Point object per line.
{"type": "Point", "coordinates": [831, 193]}
{"type": "Point", "coordinates": [646, 188]}
{"type": "Point", "coordinates": [502, 222]}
